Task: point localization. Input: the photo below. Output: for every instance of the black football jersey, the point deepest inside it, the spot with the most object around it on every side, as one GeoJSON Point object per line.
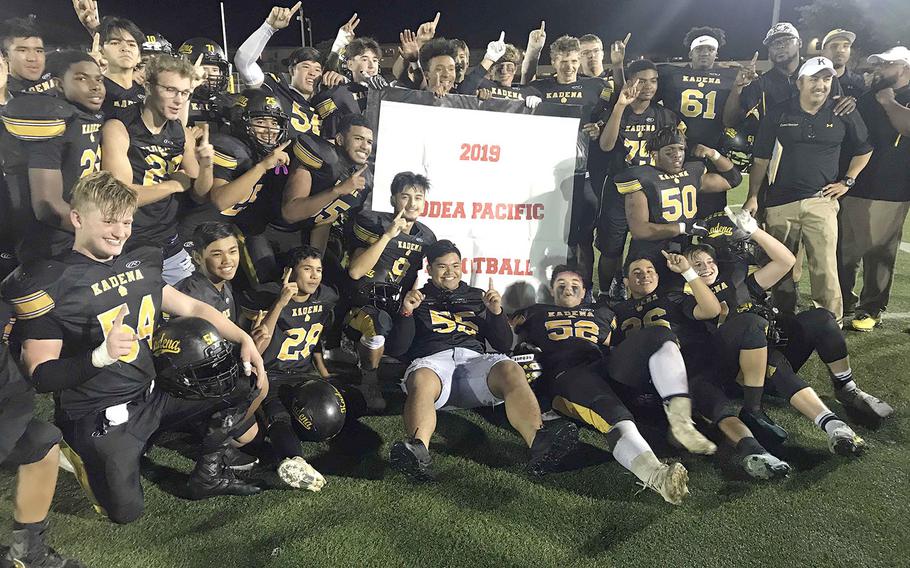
{"type": "Point", "coordinates": [198, 286]}
{"type": "Point", "coordinates": [298, 331]}
{"type": "Point", "coordinates": [117, 99]}
{"type": "Point", "coordinates": [568, 337]}
{"type": "Point", "coordinates": [214, 110]}
{"type": "Point", "coordinates": [76, 299]}
{"type": "Point", "coordinates": [698, 97]}
{"type": "Point", "coordinates": [334, 104]}
{"type": "Point", "coordinates": [401, 259]}
{"type": "Point", "coordinates": [586, 92]}
{"type": "Point", "coordinates": [737, 291]}
{"type": "Point", "coordinates": [631, 148]}
{"type": "Point", "coordinates": [11, 379]}
{"type": "Point", "coordinates": [48, 133]}
{"type": "Point", "coordinates": [303, 116]}
{"type": "Point", "coordinates": [17, 86]}
{"type": "Point", "coordinates": [328, 167]}
{"type": "Point", "coordinates": [674, 310]}
{"type": "Point", "coordinates": [672, 198]}
{"type": "Point", "coordinates": [154, 157]}
{"type": "Point", "coordinates": [447, 319]}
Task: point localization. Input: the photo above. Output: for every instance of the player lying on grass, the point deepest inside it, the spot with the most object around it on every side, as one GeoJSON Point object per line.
{"type": "Point", "coordinates": [442, 329]}
{"type": "Point", "coordinates": [572, 338]}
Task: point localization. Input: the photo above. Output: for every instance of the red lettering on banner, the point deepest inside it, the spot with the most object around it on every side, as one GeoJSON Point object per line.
{"type": "Point", "coordinates": [444, 209]}
{"type": "Point", "coordinates": [507, 211]}
{"type": "Point", "coordinates": [491, 265]}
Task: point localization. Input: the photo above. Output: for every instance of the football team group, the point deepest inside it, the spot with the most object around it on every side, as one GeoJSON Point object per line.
{"type": "Point", "coordinates": [183, 253]}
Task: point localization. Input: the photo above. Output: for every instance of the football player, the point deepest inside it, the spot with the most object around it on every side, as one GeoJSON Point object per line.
{"type": "Point", "coordinates": [567, 88]}
{"type": "Point", "coordinates": [331, 183]}
{"type": "Point", "coordinates": [147, 148]}
{"type": "Point", "coordinates": [119, 41]}
{"type": "Point", "coordinates": [304, 67]}
{"type": "Point", "coordinates": [574, 338]}
{"type": "Point", "coordinates": [363, 61]}
{"type": "Point", "coordinates": [23, 49]}
{"type": "Point", "coordinates": [250, 162]}
{"type": "Point", "coordinates": [154, 44]}
{"type": "Point", "coordinates": [698, 92]}
{"type": "Point", "coordinates": [812, 330]}
{"type": "Point", "coordinates": [48, 144]}
{"type": "Point", "coordinates": [661, 199]}
{"type": "Point", "coordinates": [216, 252]}
{"type": "Point", "coordinates": [442, 329]}
{"type": "Point", "coordinates": [87, 319]}
{"type": "Point", "coordinates": [502, 83]}
{"type": "Point", "coordinates": [290, 346]}
{"type": "Point", "coordinates": [684, 315]}
{"type": "Point", "coordinates": [633, 117]}
{"type": "Point", "coordinates": [386, 253]}
{"type": "Point", "coordinates": [210, 101]}
{"type": "Point", "coordinates": [437, 60]}
{"type": "Point", "coordinates": [32, 446]}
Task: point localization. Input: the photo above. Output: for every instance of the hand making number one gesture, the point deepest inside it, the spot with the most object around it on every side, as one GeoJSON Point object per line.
{"type": "Point", "coordinates": [492, 299]}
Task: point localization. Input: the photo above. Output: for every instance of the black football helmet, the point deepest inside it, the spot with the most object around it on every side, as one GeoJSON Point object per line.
{"type": "Point", "coordinates": [384, 296]}
{"type": "Point", "coordinates": [212, 54]}
{"type": "Point", "coordinates": [736, 145]}
{"type": "Point", "coordinates": [193, 361]}
{"type": "Point", "coordinates": [319, 409]}
{"type": "Point", "coordinates": [253, 104]}
{"type": "Point", "coordinates": [156, 44]}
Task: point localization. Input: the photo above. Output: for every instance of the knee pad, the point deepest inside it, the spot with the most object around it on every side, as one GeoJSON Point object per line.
{"type": "Point", "coordinates": [373, 343]}
{"type": "Point", "coordinates": [753, 332]}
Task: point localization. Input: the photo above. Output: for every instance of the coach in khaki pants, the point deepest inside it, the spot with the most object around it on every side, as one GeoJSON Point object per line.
{"type": "Point", "coordinates": [873, 213]}
{"type": "Point", "coordinates": [798, 147]}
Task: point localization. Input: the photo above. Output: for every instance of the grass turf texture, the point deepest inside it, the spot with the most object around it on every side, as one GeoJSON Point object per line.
{"type": "Point", "coordinates": [486, 512]}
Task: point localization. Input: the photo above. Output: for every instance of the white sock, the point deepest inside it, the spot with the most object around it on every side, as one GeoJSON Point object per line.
{"type": "Point", "coordinates": [668, 371]}
{"type": "Point", "coordinates": [630, 446]}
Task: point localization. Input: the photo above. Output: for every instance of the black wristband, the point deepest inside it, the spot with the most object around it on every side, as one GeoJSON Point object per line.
{"type": "Point", "coordinates": [733, 176]}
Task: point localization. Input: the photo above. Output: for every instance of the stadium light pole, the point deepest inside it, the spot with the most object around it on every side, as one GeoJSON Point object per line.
{"type": "Point", "coordinates": [775, 13]}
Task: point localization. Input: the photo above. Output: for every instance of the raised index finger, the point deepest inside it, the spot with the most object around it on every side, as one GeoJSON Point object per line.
{"type": "Point", "coordinates": [294, 8]}
{"type": "Point", "coordinates": [118, 321]}
{"type": "Point", "coordinates": [436, 19]}
{"type": "Point", "coordinates": [287, 275]}
{"type": "Point", "coordinates": [205, 133]}
{"type": "Point", "coordinates": [96, 43]}
{"type": "Point", "coordinates": [755, 58]}
{"type": "Point", "coordinates": [543, 25]}
{"type": "Point", "coordinates": [666, 254]}
{"type": "Point", "coordinates": [198, 61]}
{"type": "Point", "coordinates": [284, 145]}
{"type": "Point", "coordinates": [625, 42]}
{"type": "Point", "coordinates": [502, 37]}
{"type": "Point", "coordinates": [490, 287]}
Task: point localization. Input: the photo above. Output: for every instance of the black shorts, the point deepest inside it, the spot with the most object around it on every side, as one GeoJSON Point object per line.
{"type": "Point", "coordinates": [743, 331]}
{"type": "Point", "coordinates": [34, 443]}
{"type": "Point", "coordinates": [628, 361]}
{"type": "Point", "coordinates": [584, 393]}
{"type": "Point", "coordinates": [264, 256]}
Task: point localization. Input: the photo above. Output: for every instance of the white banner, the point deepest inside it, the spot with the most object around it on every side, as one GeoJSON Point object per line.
{"type": "Point", "coordinates": [501, 187]}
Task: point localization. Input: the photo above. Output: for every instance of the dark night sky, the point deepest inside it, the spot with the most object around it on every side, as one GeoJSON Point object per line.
{"type": "Point", "coordinates": [656, 25]}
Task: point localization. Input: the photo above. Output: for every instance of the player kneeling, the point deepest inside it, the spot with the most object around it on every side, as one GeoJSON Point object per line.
{"type": "Point", "coordinates": [442, 329]}
{"type": "Point", "coordinates": [88, 319]}
{"type": "Point", "coordinates": [578, 362]}
{"type": "Point", "coordinates": [288, 338]}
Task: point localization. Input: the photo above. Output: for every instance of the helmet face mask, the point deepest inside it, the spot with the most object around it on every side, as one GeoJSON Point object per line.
{"type": "Point", "coordinates": [250, 110]}
{"type": "Point", "coordinates": [213, 55]}
{"type": "Point", "coordinates": [193, 361]}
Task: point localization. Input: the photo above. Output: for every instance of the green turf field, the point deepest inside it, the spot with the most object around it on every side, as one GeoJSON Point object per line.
{"type": "Point", "coordinates": [486, 512]}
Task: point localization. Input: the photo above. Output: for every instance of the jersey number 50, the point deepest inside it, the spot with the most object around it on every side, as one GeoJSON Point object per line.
{"type": "Point", "coordinates": [676, 203]}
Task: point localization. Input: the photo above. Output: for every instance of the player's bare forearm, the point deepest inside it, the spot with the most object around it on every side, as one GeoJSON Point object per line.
{"type": "Point", "coordinates": [781, 260]}
{"type": "Point", "coordinates": [708, 307]}
{"type": "Point", "coordinates": [857, 164]}
{"type": "Point", "coordinates": [757, 175]}
{"type": "Point", "coordinates": [529, 66]}
{"type": "Point", "coordinates": [47, 198]}
{"type": "Point", "coordinates": [319, 364]}
{"type": "Point", "coordinates": [364, 260]}
{"type": "Point", "coordinates": [733, 113]}
{"type": "Point", "coordinates": [611, 130]}
{"type": "Point", "coordinates": [302, 208]}
{"type": "Point", "coordinates": [225, 194]}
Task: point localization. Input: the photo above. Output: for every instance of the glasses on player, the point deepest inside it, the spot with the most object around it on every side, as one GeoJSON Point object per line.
{"type": "Point", "coordinates": [174, 92]}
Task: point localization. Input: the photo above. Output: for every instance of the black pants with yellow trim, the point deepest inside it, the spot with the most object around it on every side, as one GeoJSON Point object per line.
{"type": "Point", "coordinates": [367, 321]}
{"type": "Point", "coordinates": [584, 393]}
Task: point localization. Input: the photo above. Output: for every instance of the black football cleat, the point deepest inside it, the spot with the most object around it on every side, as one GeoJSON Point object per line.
{"type": "Point", "coordinates": [766, 431]}
{"type": "Point", "coordinates": [238, 460]}
{"type": "Point", "coordinates": [412, 458]}
{"type": "Point", "coordinates": [212, 477]}
{"type": "Point", "coordinates": [28, 550]}
{"type": "Point", "coordinates": [552, 443]}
